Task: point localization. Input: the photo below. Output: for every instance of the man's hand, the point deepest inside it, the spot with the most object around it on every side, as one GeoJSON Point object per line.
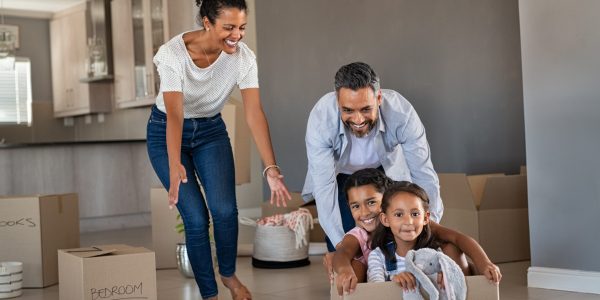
{"type": "Point", "coordinates": [440, 281]}
{"type": "Point", "coordinates": [328, 264]}
{"type": "Point", "coordinates": [406, 280]}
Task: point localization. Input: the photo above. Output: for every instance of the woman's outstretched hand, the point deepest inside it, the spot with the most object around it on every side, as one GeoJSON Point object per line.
{"type": "Point", "coordinates": [177, 175]}
{"type": "Point", "coordinates": [279, 192]}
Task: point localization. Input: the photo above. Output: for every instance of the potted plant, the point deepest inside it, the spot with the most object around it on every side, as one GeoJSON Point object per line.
{"type": "Point", "coordinates": [183, 262]}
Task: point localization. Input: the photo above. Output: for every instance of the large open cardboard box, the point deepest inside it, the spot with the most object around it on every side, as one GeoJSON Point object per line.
{"type": "Point", "coordinates": [478, 288]}
{"type": "Point", "coordinates": [317, 235]}
{"type": "Point", "coordinates": [106, 272]}
{"type": "Point", "coordinates": [164, 234]}
{"type": "Point", "coordinates": [491, 208]}
{"type": "Point", "coordinates": [33, 228]}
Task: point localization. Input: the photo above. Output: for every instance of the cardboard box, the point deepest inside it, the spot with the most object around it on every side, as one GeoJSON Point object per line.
{"type": "Point", "coordinates": [317, 235]}
{"type": "Point", "coordinates": [33, 228]}
{"type": "Point", "coordinates": [106, 272]}
{"type": "Point", "coordinates": [239, 134]}
{"type": "Point", "coordinates": [164, 234]}
{"type": "Point", "coordinates": [477, 288]}
{"type": "Point", "coordinates": [491, 208]}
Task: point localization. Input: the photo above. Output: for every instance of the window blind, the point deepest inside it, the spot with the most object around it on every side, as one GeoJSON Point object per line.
{"type": "Point", "coordinates": [15, 94]}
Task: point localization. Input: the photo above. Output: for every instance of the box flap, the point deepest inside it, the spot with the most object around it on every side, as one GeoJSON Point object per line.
{"type": "Point", "coordinates": [101, 250]}
{"type": "Point", "coordinates": [505, 192]}
{"type": "Point", "coordinates": [455, 191]}
{"type": "Point", "coordinates": [90, 251]}
{"type": "Point", "coordinates": [477, 185]}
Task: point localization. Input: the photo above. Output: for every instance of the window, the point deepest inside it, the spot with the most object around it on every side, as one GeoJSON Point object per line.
{"type": "Point", "coordinates": [15, 94]}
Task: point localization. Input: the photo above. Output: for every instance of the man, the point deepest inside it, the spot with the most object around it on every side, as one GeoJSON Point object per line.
{"type": "Point", "coordinates": [361, 126]}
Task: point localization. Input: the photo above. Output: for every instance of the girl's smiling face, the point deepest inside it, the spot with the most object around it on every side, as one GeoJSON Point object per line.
{"type": "Point", "coordinates": [365, 205]}
{"type": "Point", "coordinates": [406, 217]}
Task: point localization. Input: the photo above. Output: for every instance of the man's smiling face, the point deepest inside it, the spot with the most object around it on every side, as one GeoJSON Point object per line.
{"type": "Point", "coordinates": [359, 109]}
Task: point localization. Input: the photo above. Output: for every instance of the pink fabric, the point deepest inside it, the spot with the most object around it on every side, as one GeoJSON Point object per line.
{"type": "Point", "coordinates": [363, 239]}
{"type": "Point", "coordinates": [299, 221]}
{"type": "Point", "coordinates": [291, 220]}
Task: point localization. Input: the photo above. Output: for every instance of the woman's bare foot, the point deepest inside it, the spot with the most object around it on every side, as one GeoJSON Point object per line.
{"type": "Point", "coordinates": [237, 289]}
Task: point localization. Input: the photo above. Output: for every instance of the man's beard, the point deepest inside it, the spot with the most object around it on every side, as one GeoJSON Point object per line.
{"type": "Point", "coordinates": [369, 126]}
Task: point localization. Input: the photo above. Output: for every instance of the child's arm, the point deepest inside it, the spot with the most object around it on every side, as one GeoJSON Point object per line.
{"type": "Point", "coordinates": [376, 270]}
{"type": "Point", "coordinates": [471, 248]}
{"type": "Point", "coordinates": [345, 252]}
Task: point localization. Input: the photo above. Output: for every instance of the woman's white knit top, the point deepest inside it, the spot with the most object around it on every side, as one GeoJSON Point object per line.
{"type": "Point", "coordinates": [205, 90]}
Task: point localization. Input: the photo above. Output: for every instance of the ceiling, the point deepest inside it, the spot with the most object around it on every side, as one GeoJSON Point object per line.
{"type": "Point", "coordinates": [43, 6]}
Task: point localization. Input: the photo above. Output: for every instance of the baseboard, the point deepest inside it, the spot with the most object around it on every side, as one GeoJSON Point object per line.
{"type": "Point", "coordinates": [564, 280]}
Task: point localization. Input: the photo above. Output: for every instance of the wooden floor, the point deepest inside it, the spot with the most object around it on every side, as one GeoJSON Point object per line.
{"type": "Point", "coordinates": [307, 282]}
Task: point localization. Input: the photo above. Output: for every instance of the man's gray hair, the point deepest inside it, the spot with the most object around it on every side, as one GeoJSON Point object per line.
{"type": "Point", "coordinates": [355, 76]}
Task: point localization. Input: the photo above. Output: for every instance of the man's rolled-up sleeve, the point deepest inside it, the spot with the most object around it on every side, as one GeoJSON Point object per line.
{"type": "Point", "coordinates": [321, 168]}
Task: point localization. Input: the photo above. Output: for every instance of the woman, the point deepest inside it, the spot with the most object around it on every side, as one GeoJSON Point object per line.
{"type": "Point", "coordinates": [187, 137]}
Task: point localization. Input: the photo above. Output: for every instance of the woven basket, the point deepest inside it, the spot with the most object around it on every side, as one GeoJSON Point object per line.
{"type": "Point", "coordinates": [275, 247]}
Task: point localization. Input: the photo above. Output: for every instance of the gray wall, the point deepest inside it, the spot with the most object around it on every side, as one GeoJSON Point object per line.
{"type": "Point", "coordinates": [34, 40]}
{"type": "Point", "coordinates": [458, 62]}
{"type": "Point", "coordinates": [561, 70]}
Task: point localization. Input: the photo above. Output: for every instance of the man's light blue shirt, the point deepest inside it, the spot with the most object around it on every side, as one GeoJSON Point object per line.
{"type": "Point", "coordinates": [400, 143]}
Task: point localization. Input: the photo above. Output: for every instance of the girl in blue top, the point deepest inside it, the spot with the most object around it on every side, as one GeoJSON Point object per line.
{"type": "Point", "coordinates": [405, 225]}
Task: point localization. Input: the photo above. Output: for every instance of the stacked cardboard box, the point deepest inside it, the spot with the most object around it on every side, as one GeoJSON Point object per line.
{"type": "Point", "coordinates": [491, 208]}
{"type": "Point", "coordinates": [33, 228]}
{"type": "Point", "coordinates": [164, 234]}
{"type": "Point", "coordinates": [107, 272]}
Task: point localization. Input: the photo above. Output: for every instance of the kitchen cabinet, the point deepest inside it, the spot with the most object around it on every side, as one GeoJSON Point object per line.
{"type": "Point", "coordinates": [140, 28]}
{"type": "Point", "coordinates": [68, 41]}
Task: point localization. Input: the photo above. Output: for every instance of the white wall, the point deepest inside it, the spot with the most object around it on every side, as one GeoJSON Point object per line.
{"type": "Point", "coordinates": [560, 42]}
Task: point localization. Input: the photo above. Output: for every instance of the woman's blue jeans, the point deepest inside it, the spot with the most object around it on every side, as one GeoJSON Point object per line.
{"type": "Point", "coordinates": [207, 157]}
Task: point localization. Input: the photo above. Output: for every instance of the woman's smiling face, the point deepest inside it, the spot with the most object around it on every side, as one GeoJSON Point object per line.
{"type": "Point", "coordinates": [229, 28]}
